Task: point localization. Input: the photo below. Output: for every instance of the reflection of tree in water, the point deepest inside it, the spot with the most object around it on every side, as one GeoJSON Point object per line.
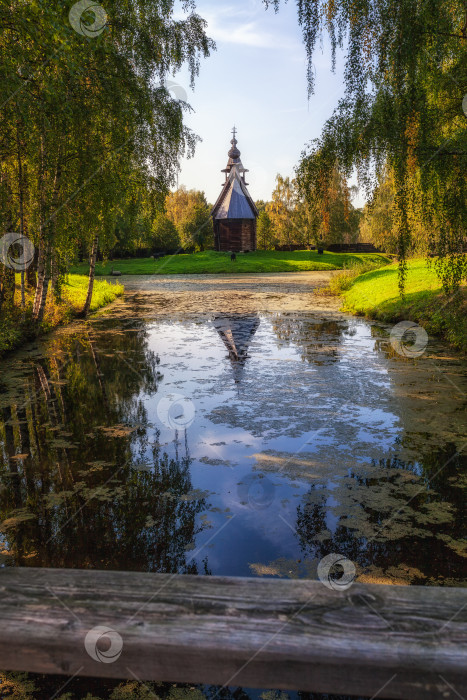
{"type": "Point", "coordinates": [103, 689]}
{"type": "Point", "coordinates": [318, 340]}
{"type": "Point", "coordinates": [398, 520]}
{"type": "Point", "coordinates": [79, 489]}
{"type": "Point", "coordinates": [37, 687]}
{"type": "Point", "coordinates": [237, 331]}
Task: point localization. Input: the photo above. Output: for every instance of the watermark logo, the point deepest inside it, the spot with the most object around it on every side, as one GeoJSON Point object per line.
{"type": "Point", "coordinates": [177, 92]}
{"type": "Point", "coordinates": [256, 491]}
{"type": "Point", "coordinates": [88, 18]}
{"type": "Point", "coordinates": [464, 105]}
{"type": "Point", "coordinates": [103, 644]}
{"type": "Point", "coordinates": [409, 339]}
{"type": "Point", "coordinates": [336, 572]}
{"type": "Point", "coordinates": [16, 251]}
{"type": "Point", "coordinates": [176, 411]}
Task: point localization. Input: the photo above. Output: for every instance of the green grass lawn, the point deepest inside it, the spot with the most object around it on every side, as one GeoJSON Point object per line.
{"type": "Point", "coordinates": [212, 262]}
{"type": "Point", "coordinates": [376, 294]}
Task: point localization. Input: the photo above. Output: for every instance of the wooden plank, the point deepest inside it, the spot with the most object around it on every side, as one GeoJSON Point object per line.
{"type": "Point", "coordinates": [374, 640]}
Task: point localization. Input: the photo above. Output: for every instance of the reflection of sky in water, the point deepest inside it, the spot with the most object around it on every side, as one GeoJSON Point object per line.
{"type": "Point", "coordinates": [333, 406]}
{"type": "Point", "coordinates": [308, 438]}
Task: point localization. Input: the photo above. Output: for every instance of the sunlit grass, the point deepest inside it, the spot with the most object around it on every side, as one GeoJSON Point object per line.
{"type": "Point", "coordinates": [76, 288]}
{"type": "Point", "coordinates": [213, 262]}
{"type": "Point", "coordinates": [381, 286]}
{"type": "Point", "coordinates": [376, 294]}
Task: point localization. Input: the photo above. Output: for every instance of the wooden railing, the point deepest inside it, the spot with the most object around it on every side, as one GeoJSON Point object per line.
{"type": "Point", "coordinates": [373, 640]}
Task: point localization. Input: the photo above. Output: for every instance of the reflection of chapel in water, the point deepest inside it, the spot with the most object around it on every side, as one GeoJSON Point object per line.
{"type": "Point", "coordinates": [236, 333]}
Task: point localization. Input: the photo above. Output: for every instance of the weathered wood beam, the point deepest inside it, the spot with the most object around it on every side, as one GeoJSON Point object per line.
{"type": "Point", "coordinates": [375, 640]}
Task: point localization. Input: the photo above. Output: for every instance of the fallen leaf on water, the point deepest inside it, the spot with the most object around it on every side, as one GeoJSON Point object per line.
{"type": "Point", "coordinates": [118, 430]}
{"type": "Point", "coordinates": [21, 516]}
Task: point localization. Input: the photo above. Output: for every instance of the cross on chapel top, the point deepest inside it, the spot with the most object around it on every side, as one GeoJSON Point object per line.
{"type": "Point", "coordinates": [234, 159]}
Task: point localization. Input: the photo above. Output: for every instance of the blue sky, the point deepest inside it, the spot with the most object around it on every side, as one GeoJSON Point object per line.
{"type": "Point", "coordinates": [256, 80]}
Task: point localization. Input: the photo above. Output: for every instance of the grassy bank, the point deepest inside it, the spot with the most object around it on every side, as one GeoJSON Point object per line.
{"type": "Point", "coordinates": [16, 328]}
{"type": "Point", "coordinates": [375, 294]}
{"type": "Point", "coordinates": [212, 262]}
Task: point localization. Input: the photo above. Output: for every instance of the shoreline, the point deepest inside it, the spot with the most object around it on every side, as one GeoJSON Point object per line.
{"type": "Point", "coordinates": [246, 293]}
{"type": "Point", "coordinates": [375, 296]}
{"type": "Point", "coordinates": [17, 330]}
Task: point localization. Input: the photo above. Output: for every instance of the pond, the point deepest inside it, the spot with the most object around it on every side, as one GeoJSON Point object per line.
{"type": "Point", "coordinates": [237, 443]}
{"type": "Point", "coordinates": [233, 427]}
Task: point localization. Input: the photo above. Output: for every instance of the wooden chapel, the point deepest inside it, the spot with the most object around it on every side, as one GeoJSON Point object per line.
{"type": "Point", "coordinates": [234, 214]}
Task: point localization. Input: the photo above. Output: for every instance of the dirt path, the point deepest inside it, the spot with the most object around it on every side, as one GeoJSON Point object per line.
{"type": "Point", "coordinates": [241, 293]}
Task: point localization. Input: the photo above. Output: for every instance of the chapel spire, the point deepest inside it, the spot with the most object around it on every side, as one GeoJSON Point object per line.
{"type": "Point", "coordinates": [234, 159]}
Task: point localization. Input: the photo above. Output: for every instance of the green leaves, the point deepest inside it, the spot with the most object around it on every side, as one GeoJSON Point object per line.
{"type": "Point", "coordinates": [405, 77]}
{"type": "Point", "coordinates": [82, 112]}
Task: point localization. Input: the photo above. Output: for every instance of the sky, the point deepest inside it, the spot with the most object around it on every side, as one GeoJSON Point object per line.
{"type": "Point", "coordinates": [255, 80]}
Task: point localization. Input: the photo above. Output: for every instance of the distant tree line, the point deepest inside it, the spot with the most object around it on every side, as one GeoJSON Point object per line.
{"type": "Point", "coordinates": [182, 223]}
{"type": "Point", "coordinates": [291, 218]}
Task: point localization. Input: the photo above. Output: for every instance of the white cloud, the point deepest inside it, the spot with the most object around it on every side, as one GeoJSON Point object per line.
{"type": "Point", "coordinates": [243, 26]}
{"type": "Point", "coordinates": [246, 34]}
